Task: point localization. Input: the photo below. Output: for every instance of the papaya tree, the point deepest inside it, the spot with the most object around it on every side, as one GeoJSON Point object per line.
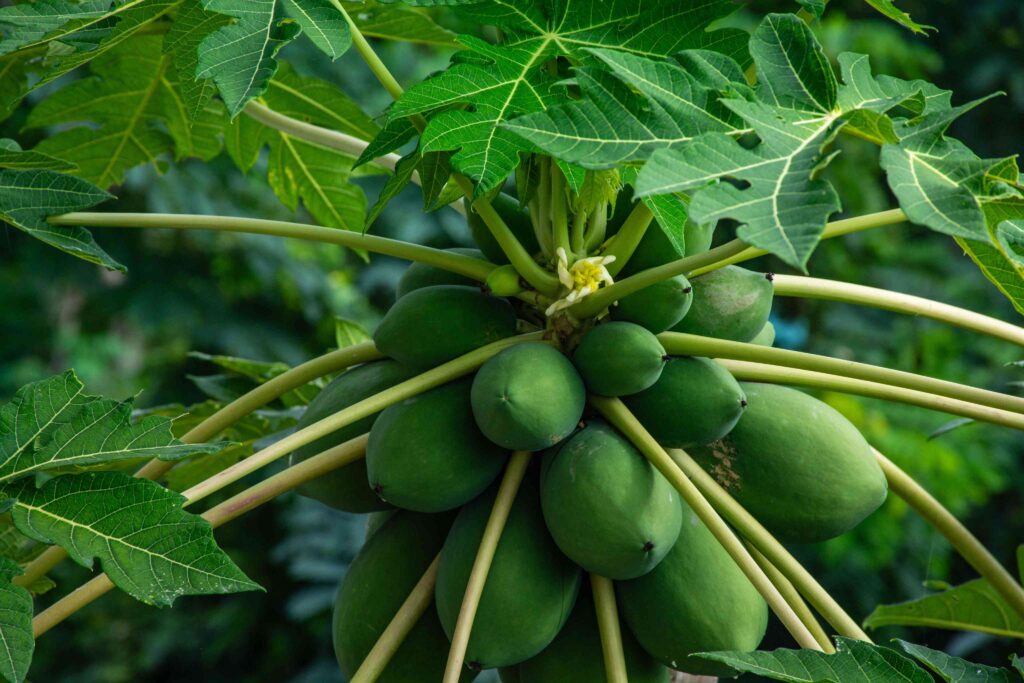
{"type": "Point", "coordinates": [582, 455]}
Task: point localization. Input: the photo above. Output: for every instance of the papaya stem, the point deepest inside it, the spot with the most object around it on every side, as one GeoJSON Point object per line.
{"type": "Point", "coordinates": [965, 543]}
{"type": "Point", "coordinates": [617, 414]}
{"type": "Point", "coordinates": [559, 211]}
{"type": "Point", "coordinates": [838, 228]}
{"type": "Point", "coordinates": [845, 292]}
{"type": "Point", "coordinates": [754, 532]}
{"type": "Point", "coordinates": [678, 343]}
{"type": "Point", "coordinates": [430, 379]}
{"type": "Point", "coordinates": [579, 225]}
{"type": "Point", "coordinates": [457, 263]}
{"type": "Point", "coordinates": [626, 240]}
{"type": "Point", "coordinates": [608, 626]}
{"type": "Point", "coordinates": [268, 489]}
{"type": "Point", "coordinates": [775, 374]}
{"type": "Point", "coordinates": [399, 627]}
{"type": "Point", "coordinates": [597, 227]}
{"type": "Point", "coordinates": [506, 495]}
{"type": "Point", "coordinates": [723, 255]}
{"type": "Point", "coordinates": [221, 420]}
{"type": "Point", "coordinates": [365, 50]}
{"type": "Point", "coordinates": [793, 597]}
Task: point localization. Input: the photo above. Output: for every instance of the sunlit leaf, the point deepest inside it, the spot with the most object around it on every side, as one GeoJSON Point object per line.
{"type": "Point", "coordinates": [889, 9]}
{"type": "Point", "coordinates": [322, 23]}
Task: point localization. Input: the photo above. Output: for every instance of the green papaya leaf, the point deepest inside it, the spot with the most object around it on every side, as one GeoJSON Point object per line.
{"type": "Point", "coordinates": [191, 24]}
{"type": "Point", "coordinates": [17, 642]}
{"type": "Point", "coordinates": [954, 669]}
{"type": "Point", "coordinates": [12, 156]}
{"type": "Point", "coordinates": [971, 606]}
{"type": "Point", "coordinates": [323, 24]}
{"type": "Point", "coordinates": [147, 545]}
{"type": "Point", "coordinates": [854, 662]}
{"type": "Point", "coordinates": [889, 9]}
{"type": "Point", "coordinates": [395, 22]}
{"type": "Point", "coordinates": [348, 333]}
{"type": "Point", "coordinates": [53, 424]}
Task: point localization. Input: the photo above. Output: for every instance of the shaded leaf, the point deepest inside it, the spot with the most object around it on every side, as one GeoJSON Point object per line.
{"type": "Point", "coordinates": [17, 642]}
{"type": "Point", "coordinates": [889, 9]}
{"type": "Point", "coordinates": [348, 333]}
{"type": "Point", "coordinates": [395, 22]}
{"type": "Point", "coordinates": [404, 170]}
{"type": "Point", "coordinates": [147, 545]}
{"type": "Point", "coordinates": [954, 669]}
{"type": "Point", "coordinates": [191, 24]}
{"type": "Point", "coordinates": [323, 24]}
{"type": "Point", "coordinates": [13, 156]}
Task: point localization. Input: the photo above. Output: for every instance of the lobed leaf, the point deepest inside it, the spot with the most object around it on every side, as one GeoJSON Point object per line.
{"type": "Point", "coordinates": [17, 641]}
{"type": "Point", "coordinates": [191, 24]}
{"type": "Point", "coordinates": [972, 606]}
{"type": "Point", "coordinates": [323, 24]}
{"type": "Point", "coordinates": [957, 670]}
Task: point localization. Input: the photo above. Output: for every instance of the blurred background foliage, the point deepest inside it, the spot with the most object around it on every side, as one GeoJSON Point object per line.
{"type": "Point", "coordinates": [268, 299]}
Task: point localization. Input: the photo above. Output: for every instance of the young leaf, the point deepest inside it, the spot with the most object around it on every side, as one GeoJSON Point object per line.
{"type": "Point", "coordinates": [323, 24]}
{"type": "Point", "coordinates": [500, 82]}
{"type": "Point", "coordinates": [147, 545]}
{"type": "Point", "coordinates": [53, 424]}
{"type": "Point", "coordinates": [890, 10]}
{"type": "Point", "coordinates": [29, 197]}
{"type": "Point", "coordinates": [348, 333]}
{"type": "Point", "coordinates": [241, 56]}
{"type": "Point", "coordinates": [853, 662]}
{"type": "Point", "coordinates": [957, 670]}
{"type": "Point", "coordinates": [404, 170]}
{"type": "Point", "coordinates": [132, 98]}
{"type": "Point", "coordinates": [971, 606]}
{"type": "Point", "coordinates": [17, 642]}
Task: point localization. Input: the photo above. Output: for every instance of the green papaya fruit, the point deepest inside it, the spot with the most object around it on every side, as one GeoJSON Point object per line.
{"type": "Point", "coordinates": [619, 358]}
{"type": "Point", "coordinates": [696, 600]}
{"type": "Point", "coordinates": [420, 275]}
{"type": "Point", "coordinates": [657, 307]}
{"type": "Point", "coordinates": [606, 506]}
{"type": "Point", "coordinates": [655, 249]}
{"type": "Point", "coordinates": [345, 488]}
{"type": "Point", "coordinates": [766, 337]}
{"type": "Point", "coordinates": [427, 454]}
{"type": "Point", "coordinates": [515, 217]}
{"type": "Point", "coordinates": [530, 589]}
{"type": "Point", "coordinates": [576, 654]}
{"type": "Point", "coordinates": [729, 303]}
{"type": "Point", "coordinates": [698, 236]}
{"type": "Point", "coordinates": [376, 584]}
{"type": "Point", "coordinates": [694, 402]}
{"type": "Point", "coordinates": [504, 281]}
{"type": "Point", "coordinates": [528, 397]}
{"type": "Point", "coordinates": [375, 520]}
{"type": "Point", "coordinates": [797, 465]}
{"type": "Point", "coordinates": [429, 326]}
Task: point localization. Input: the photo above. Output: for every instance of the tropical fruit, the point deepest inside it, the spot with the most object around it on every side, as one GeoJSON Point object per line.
{"type": "Point", "coordinates": [694, 402]}
{"type": "Point", "coordinates": [376, 584]}
{"type": "Point", "coordinates": [698, 236]}
{"type": "Point", "coordinates": [657, 307]}
{"type": "Point", "coordinates": [607, 507]}
{"type": "Point", "coordinates": [515, 217]}
{"type": "Point", "coordinates": [654, 249]}
{"type": "Point", "coordinates": [797, 465]}
{"type": "Point", "coordinates": [619, 358]}
{"type": "Point", "coordinates": [504, 281]}
{"type": "Point", "coordinates": [530, 590]}
{"type": "Point", "coordinates": [729, 303]}
{"type": "Point", "coordinates": [528, 397]}
{"type": "Point", "coordinates": [576, 656]}
{"type": "Point", "coordinates": [429, 326]}
{"type": "Point", "coordinates": [375, 520]}
{"type": "Point", "coordinates": [419, 275]}
{"type": "Point", "coordinates": [427, 454]}
{"type": "Point", "coordinates": [766, 337]}
{"type": "Point", "coordinates": [696, 600]}
{"type": "Point", "coordinates": [345, 488]}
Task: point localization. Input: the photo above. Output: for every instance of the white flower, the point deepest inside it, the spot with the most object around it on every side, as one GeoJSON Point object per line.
{"type": "Point", "coordinates": [584, 277]}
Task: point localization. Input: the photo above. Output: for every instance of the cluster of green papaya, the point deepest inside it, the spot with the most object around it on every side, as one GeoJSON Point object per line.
{"type": "Point", "coordinates": [590, 502]}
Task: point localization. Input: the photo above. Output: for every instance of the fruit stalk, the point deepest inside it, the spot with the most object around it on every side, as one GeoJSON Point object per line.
{"type": "Point", "coordinates": [754, 532]}
{"type": "Point", "coordinates": [403, 622]}
{"type": "Point", "coordinates": [845, 292]}
{"type": "Point", "coordinates": [965, 543]}
{"type": "Point", "coordinates": [616, 413]}
{"type": "Point", "coordinates": [559, 210]}
{"type": "Point", "coordinates": [266, 490]}
{"type": "Point", "coordinates": [628, 237]}
{"type": "Point", "coordinates": [608, 626]}
{"type": "Point", "coordinates": [507, 490]}
{"type": "Point", "coordinates": [221, 420]}
{"type": "Point", "coordinates": [456, 263]}
{"type": "Point", "coordinates": [678, 343]}
{"type": "Point", "coordinates": [775, 374]}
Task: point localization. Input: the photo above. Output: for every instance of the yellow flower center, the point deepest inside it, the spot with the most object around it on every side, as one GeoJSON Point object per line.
{"type": "Point", "coordinates": [586, 274]}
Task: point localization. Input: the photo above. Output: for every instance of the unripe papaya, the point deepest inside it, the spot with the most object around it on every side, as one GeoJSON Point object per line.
{"type": "Point", "coordinates": [729, 303]}
{"type": "Point", "coordinates": [515, 217]}
{"type": "Point", "coordinates": [420, 275]}
{"type": "Point", "coordinates": [694, 402]}
{"type": "Point", "coordinates": [657, 307]}
{"type": "Point", "coordinates": [530, 590]}
{"type": "Point", "coordinates": [528, 397]}
{"type": "Point", "coordinates": [376, 584]}
{"type": "Point", "coordinates": [427, 454]}
{"type": "Point", "coordinates": [345, 488]}
{"type": "Point", "coordinates": [576, 654]}
{"type": "Point", "coordinates": [429, 326]}
{"type": "Point", "coordinates": [766, 337]}
{"type": "Point", "coordinates": [797, 465]}
{"type": "Point", "coordinates": [375, 520]}
{"type": "Point", "coordinates": [655, 249]}
{"type": "Point", "coordinates": [619, 358]}
{"type": "Point", "coordinates": [696, 600]}
{"type": "Point", "coordinates": [698, 236]}
{"type": "Point", "coordinates": [504, 281]}
{"type": "Point", "coordinates": [607, 507]}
